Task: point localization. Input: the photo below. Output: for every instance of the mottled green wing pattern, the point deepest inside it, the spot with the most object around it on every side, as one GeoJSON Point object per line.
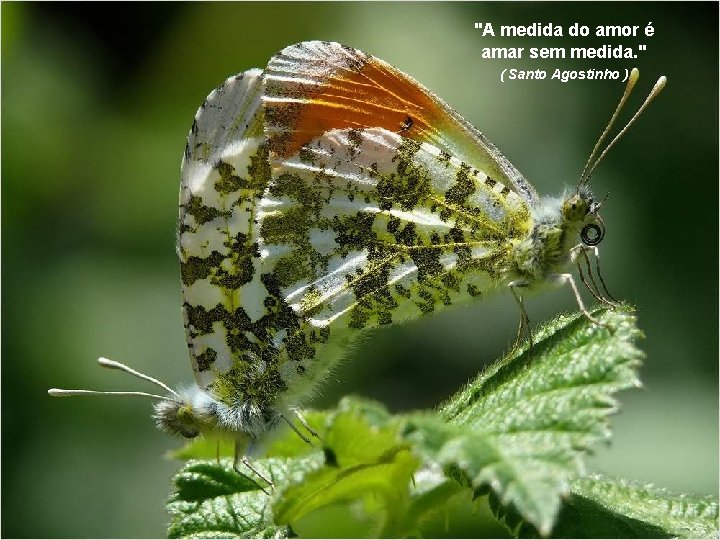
{"type": "Point", "coordinates": [224, 174]}
{"type": "Point", "coordinates": [364, 228]}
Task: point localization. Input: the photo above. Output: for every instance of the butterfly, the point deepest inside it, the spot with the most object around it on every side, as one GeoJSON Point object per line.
{"type": "Point", "coordinates": [330, 194]}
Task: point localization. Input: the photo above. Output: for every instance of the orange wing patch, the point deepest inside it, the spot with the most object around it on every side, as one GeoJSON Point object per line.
{"type": "Point", "coordinates": [370, 97]}
{"type": "Point", "coordinates": [363, 93]}
{"type": "Point", "coordinates": [314, 87]}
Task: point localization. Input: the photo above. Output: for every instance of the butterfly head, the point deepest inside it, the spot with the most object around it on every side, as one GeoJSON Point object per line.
{"type": "Point", "coordinates": [581, 210]}
{"type": "Point", "coordinates": [178, 418]}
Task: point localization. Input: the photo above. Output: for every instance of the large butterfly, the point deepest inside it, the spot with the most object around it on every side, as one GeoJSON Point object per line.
{"type": "Point", "coordinates": [327, 195]}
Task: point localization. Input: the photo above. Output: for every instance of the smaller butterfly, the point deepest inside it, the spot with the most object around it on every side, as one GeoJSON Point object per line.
{"type": "Point", "coordinates": [330, 194]}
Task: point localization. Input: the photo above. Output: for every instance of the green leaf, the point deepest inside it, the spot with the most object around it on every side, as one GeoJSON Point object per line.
{"type": "Point", "coordinates": [603, 507]}
{"type": "Point", "coordinates": [211, 500]}
{"type": "Point", "coordinates": [528, 418]}
{"type": "Point", "coordinates": [516, 433]}
{"type": "Point", "coordinates": [366, 465]}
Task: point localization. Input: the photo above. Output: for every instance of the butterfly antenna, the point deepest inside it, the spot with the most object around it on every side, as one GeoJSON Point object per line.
{"type": "Point", "coordinates": [112, 364]}
{"type": "Point", "coordinates": [632, 79]}
{"type": "Point", "coordinates": [659, 85]}
{"type": "Point", "coordinates": [61, 392]}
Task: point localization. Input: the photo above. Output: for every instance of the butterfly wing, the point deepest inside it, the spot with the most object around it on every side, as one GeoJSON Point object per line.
{"type": "Point", "coordinates": [314, 87]}
{"type": "Point", "coordinates": [329, 194]}
{"type": "Point", "coordinates": [224, 172]}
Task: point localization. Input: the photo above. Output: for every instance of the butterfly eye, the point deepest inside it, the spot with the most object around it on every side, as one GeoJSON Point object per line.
{"type": "Point", "coordinates": [591, 234]}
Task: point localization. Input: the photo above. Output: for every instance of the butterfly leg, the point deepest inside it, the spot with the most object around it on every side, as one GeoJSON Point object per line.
{"type": "Point", "coordinates": [581, 251]}
{"type": "Point", "coordinates": [524, 319]}
{"type": "Point", "coordinates": [562, 279]}
{"type": "Point", "coordinates": [596, 251]}
{"type": "Point", "coordinates": [240, 457]}
{"type": "Point", "coordinates": [303, 423]}
{"type": "Point", "coordinates": [577, 254]}
{"type": "Point", "coordinates": [296, 430]}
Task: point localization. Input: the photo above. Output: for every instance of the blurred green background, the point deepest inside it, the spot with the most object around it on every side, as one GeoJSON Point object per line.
{"type": "Point", "coordinates": [96, 104]}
